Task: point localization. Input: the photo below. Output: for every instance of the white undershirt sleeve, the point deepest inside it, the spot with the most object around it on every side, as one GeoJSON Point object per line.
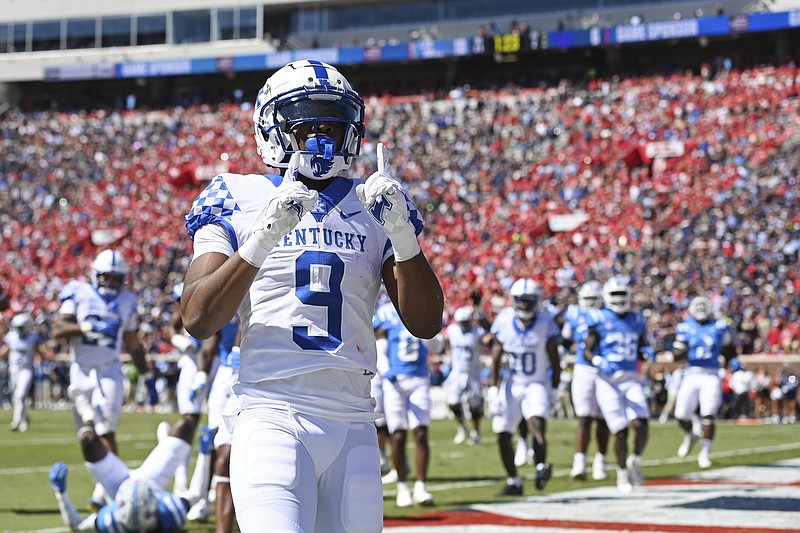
{"type": "Point", "coordinates": [212, 238]}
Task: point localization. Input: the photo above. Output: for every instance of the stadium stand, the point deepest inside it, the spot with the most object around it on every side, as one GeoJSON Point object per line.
{"type": "Point", "coordinates": [682, 159]}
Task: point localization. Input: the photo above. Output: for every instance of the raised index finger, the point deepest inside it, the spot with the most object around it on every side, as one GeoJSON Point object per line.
{"type": "Point", "coordinates": [291, 170]}
{"type": "Point", "coordinates": [383, 158]}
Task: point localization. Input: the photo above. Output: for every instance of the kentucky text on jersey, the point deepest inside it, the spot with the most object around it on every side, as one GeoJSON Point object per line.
{"type": "Point", "coordinates": [314, 236]}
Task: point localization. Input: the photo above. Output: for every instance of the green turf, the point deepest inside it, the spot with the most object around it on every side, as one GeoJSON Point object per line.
{"type": "Point", "coordinates": [459, 475]}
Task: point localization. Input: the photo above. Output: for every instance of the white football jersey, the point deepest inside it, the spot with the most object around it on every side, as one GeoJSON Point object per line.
{"type": "Point", "coordinates": [526, 348]}
{"type": "Point", "coordinates": [82, 300]}
{"type": "Point", "coordinates": [21, 348]}
{"type": "Point", "coordinates": [310, 306]}
{"type": "Point", "coordinates": [465, 349]}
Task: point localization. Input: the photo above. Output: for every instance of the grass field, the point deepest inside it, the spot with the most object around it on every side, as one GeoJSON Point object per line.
{"type": "Point", "coordinates": [459, 475]}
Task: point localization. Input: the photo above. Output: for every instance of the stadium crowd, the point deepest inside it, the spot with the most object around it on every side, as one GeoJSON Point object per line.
{"type": "Point", "coordinates": [489, 165]}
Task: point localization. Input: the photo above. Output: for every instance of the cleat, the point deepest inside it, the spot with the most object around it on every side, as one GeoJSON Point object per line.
{"type": "Point", "coordinates": [421, 496]}
{"type": "Point", "coordinates": [543, 474]}
{"type": "Point", "coordinates": [198, 512]}
{"type": "Point", "coordinates": [688, 443]}
{"type": "Point", "coordinates": [404, 498]}
{"type": "Point", "coordinates": [391, 477]}
{"type": "Point", "coordinates": [510, 490]}
{"type": "Point", "coordinates": [474, 438]}
{"type": "Point", "coordinates": [623, 483]}
{"type": "Point", "coordinates": [634, 464]}
{"type": "Point", "coordinates": [461, 435]}
{"type": "Point", "coordinates": [704, 461]}
{"type": "Point", "coordinates": [578, 471]}
{"type": "Point", "coordinates": [599, 467]}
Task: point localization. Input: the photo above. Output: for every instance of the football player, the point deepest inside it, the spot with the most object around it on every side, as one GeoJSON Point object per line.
{"type": "Point", "coordinates": [616, 338]}
{"type": "Point", "coordinates": [465, 342]}
{"type": "Point", "coordinates": [20, 344]}
{"type": "Point", "coordinates": [301, 255]}
{"type": "Point", "coordinates": [100, 320]}
{"type": "Point", "coordinates": [406, 400]}
{"type": "Point", "coordinates": [222, 348]}
{"type": "Point", "coordinates": [526, 338]}
{"type": "Point", "coordinates": [139, 502]}
{"type": "Point", "coordinates": [584, 397]}
{"type": "Point", "coordinates": [701, 340]}
{"type": "Point", "coordinates": [196, 363]}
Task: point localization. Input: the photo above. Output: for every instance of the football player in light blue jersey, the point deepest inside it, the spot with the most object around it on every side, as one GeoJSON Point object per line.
{"type": "Point", "coordinates": [301, 255]}
{"type": "Point", "coordinates": [615, 340]}
{"type": "Point", "coordinates": [406, 400]}
{"type": "Point", "coordinates": [100, 319]}
{"type": "Point", "coordinates": [139, 502]}
{"type": "Point", "coordinates": [465, 342]}
{"type": "Point", "coordinates": [19, 346]}
{"type": "Point", "coordinates": [584, 388]}
{"type": "Point", "coordinates": [701, 340]}
{"type": "Point", "coordinates": [526, 338]}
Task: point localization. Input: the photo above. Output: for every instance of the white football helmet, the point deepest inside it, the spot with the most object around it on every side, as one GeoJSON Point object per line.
{"type": "Point", "coordinates": [308, 92]}
{"type": "Point", "coordinates": [700, 308]}
{"type": "Point", "coordinates": [617, 294]}
{"type": "Point", "coordinates": [526, 294]}
{"type": "Point", "coordinates": [22, 321]}
{"type": "Point", "coordinates": [590, 295]}
{"type": "Point", "coordinates": [463, 315]}
{"type": "Point", "coordinates": [138, 505]}
{"type": "Point", "coordinates": [108, 265]}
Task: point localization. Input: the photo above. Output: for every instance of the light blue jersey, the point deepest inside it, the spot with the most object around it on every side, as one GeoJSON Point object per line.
{"type": "Point", "coordinates": [407, 354]}
{"type": "Point", "coordinates": [575, 320]}
{"type": "Point", "coordinates": [704, 341]}
{"type": "Point", "coordinates": [620, 337]}
{"type": "Point", "coordinates": [227, 340]}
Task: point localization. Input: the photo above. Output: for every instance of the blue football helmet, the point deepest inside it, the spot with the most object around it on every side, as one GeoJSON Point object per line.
{"type": "Point", "coordinates": [304, 94]}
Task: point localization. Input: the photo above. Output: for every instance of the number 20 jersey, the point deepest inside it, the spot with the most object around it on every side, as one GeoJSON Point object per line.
{"type": "Point", "coordinates": [322, 279]}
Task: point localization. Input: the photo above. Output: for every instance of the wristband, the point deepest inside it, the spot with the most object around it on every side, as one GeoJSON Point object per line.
{"type": "Point", "coordinates": [256, 249]}
{"type": "Point", "coordinates": [405, 246]}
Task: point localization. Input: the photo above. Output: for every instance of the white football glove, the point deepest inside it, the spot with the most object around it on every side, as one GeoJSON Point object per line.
{"type": "Point", "coordinates": [383, 197]}
{"type": "Point", "coordinates": [198, 385]}
{"type": "Point", "coordinates": [494, 401]}
{"type": "Point", "coordinates": [290, 201]}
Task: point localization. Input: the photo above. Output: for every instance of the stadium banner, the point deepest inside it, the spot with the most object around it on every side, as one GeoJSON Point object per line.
{"type": "Point", "coordinates": [428, 49]}
{"type": "Point", "coordinates": [102, 71]}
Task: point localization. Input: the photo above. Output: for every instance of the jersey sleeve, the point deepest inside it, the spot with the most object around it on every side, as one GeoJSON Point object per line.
{"type": "Point", "coordinates": [67, 297]}
{"type": "Point", "coordinates": [215, 205]}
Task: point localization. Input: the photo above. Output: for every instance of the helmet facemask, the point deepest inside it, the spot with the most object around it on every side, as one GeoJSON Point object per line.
{"type": "Point", "coordinates": [109, 271]}
{"type": "Point", "coordinates": [700, 309]}
{"type": "Point", "coordinates": [525, 307]}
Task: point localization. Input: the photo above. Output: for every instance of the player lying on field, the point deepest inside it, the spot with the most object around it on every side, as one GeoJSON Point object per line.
{"type": "Point", "coordinates": [140, 502]}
